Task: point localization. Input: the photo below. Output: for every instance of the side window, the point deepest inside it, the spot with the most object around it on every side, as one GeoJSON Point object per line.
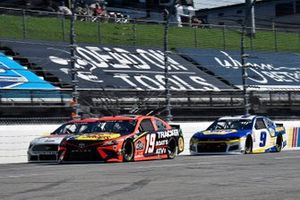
{"type": "Point", "coordinates": [160, 125]}
{"type": "Point", "coordinates": [146, 125]}
{"type": "Point", "coordinates": [259, 124]}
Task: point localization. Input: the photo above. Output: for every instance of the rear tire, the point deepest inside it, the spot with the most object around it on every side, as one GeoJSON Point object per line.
{"type": "Point", "coordinates": [128, 151]}
{"type": "Point", "coordinates": [248, 145]}
{"type": "Point", "coordinates": [172, 148]}
{"type": "Point", "coordinates": [278, 143]}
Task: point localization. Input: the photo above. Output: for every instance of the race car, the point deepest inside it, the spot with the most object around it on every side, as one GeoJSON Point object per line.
{"type": "Point", "coordinates": [239, 134]}
{"type": "Point", "coordinates": [124, 138]}
{"type": "Point", "coordinates": [46, 148]}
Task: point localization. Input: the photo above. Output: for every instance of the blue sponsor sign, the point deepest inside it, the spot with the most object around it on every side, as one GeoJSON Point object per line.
{"type": "Point", "coordinates": [15, 76]}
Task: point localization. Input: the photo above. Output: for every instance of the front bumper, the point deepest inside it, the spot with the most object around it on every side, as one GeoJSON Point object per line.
{"type": "Point", "coordinates": [217, 147]}
{"type": "Point", "coordinates": [50, 156]}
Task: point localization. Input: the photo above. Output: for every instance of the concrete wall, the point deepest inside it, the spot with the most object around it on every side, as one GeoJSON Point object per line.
{"type": "Point", "coordinates": [14, 139]}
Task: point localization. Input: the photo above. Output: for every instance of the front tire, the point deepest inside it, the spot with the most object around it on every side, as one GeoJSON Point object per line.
{"type": "Point", "coordinates": [128, 151]}
{"type": "Point", "coordinates": [278, 143]}
{"type": "Point", "coordinates": [172, 148]}
{"type": "Point", "coordinates": [248, 145]}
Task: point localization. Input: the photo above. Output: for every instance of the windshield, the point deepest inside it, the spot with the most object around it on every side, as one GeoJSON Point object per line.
{"type": "Point", "coordinates": [238, 124]}
{"type": "Point", "coordinates": [75, 128]}
{"type": "Point", "coordinates": [123, 127]}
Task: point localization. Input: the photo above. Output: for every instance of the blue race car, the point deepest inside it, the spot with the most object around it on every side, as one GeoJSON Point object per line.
{"type": "Point", "coordinates": [239, 134]}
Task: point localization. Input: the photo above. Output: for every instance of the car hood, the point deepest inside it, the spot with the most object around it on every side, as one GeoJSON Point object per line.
{"type": "Point", "coordinates": [95, 136]}
{"type": "Point", "coordinates": [51, 139]}
{"type": "Point", "coordinates": [221, 134]}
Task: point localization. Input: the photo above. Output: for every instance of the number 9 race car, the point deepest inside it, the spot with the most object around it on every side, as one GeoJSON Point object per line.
{"type": "Point", "coordinates": [239, 134]}
{"type": "Point", "coordinates": [124, 138]}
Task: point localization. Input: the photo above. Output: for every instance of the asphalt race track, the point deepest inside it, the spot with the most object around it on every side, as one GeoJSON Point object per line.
{"type": "Point", "coordinates": [262, 176]}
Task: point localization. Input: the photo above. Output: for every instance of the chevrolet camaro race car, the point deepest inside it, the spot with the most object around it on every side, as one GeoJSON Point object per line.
{"type": "Point", "coordinates": [239, 134]}
{"type": "Point", "coordinates": [46, 148]}
{"type": "Point", "coordinates": [124, 138]}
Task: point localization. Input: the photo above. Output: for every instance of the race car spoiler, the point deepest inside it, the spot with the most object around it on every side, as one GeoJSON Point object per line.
{"type": "Point", "coordinates": [279, 124]}
{"type": "Point", "coordinates": [175, 126]}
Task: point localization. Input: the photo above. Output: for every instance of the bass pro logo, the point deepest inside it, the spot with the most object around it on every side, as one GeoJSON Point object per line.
{"type": "Point", "coordinates": [10, 78]}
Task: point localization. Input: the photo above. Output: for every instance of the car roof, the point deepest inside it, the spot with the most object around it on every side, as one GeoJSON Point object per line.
{"type": "Point", "coordinates": [237, 117]}
{"type": "Point", "coordinates": [124, 117]}
{"type": "Point", "coordinates": [111, 118]}
{"type": "Point", "coordinates": [84, 120]}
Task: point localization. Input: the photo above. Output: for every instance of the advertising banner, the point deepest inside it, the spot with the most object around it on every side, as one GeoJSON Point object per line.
{"type": "Point", "coordinates": [119, 68]}
{"type": "Point", "coordinates": [266, 70]}
{"type": "Point", "coordinates": [15, 76]}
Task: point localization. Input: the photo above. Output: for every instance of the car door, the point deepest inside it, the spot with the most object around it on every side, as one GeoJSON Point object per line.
{"type": "Point", "coordinates": [145, 143]}
{"type": "Point", "coordinates": [261, 138]}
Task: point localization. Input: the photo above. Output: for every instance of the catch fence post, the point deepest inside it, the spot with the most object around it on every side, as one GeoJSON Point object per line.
{"type": "Point", "coordinates": [24, 23]}
{"type": "Point", "coordinates": [166, 63]}
{"type": "Point", "coordinates": [224, 37]}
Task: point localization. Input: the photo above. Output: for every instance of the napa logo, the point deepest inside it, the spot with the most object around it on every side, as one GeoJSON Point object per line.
{"type": "Point", "coordinates": [10, 78]}
{"type": "Point", "coordinates": [219, 132]}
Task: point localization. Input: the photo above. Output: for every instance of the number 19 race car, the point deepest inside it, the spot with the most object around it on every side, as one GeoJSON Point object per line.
{"type": "Point", "coordinates": [239, 134]}
{"type": "Point", "coordinates": [124, 138]}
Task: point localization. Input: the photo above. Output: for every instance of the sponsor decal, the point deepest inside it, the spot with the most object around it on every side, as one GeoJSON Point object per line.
{"type": "Point", "coordinates": [81, 145]}
{"type": "Point", "coordinates": [219, 132]}
{"type": "Point", "coordinates": [139, 145]}
{"type": "Point", "coordinates": [105, 136]}
{"type": "Point", "coordinates": [161, 151]}
{"type": "Point", "coordinates": [167, 133]}
{"type": "Point", "coordinates": [161, 143]}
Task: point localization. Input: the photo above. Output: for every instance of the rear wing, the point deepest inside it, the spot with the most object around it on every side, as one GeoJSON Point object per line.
{"type": "Point", "coordinates": [175, 126]}
{"type": "Point", "coordinates": [279, 125]}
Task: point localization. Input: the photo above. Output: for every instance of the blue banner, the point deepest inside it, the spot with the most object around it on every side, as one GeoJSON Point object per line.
{"type": "Point", "coordinates": [15, 76]}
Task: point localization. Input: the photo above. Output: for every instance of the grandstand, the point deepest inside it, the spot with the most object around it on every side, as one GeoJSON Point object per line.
{"type": "Point", "coordinates": [121, 70]}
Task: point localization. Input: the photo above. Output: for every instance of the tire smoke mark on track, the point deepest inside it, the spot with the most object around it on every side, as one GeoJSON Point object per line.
{"type": "Point", "coordinates": [37, 189]}
{"type": "Point", "coordinates": [133, 186]}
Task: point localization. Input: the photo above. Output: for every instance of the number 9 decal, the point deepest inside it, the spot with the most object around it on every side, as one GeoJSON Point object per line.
{"type": "Point", "coordinates": [263, 138]}
{"type": "Point", "coordinates": [150, 143]}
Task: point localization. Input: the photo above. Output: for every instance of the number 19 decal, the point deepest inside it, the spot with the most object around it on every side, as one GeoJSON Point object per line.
{"type": "Point", "coordinates": [150, 143]}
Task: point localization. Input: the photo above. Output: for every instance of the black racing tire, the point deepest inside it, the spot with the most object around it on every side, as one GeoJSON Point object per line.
{"type": "Point", "coordinates": [279, 141]}
{"type": "Point", "coordinates": [128, 151]}
{"type": "Point", "coordinates": [172, 148]}
{"type": "Point", "coordinates": [248, 145]}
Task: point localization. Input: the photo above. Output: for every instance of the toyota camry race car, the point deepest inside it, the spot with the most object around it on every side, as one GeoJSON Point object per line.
{"type": "Point", "coordinates": [46, 148]}
{"type": "Point", "coordinates": [239, 134]}
{"type": "Point", "coordinates": [124, 138]}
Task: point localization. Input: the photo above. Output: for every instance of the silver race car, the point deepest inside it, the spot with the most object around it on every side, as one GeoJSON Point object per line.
{"type": "Point", "coordinates": [44, 149]}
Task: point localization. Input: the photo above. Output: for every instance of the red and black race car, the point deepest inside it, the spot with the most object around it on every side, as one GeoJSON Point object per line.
{"type": "Point", "coordinates": [124, 138]}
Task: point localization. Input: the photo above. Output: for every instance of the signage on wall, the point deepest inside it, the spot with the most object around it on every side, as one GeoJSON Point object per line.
{"type": "Point", "coordinates": [266, 70]}
{"type": "Point", "coordinates": [15, 76]}
{"type": "Point", "coordinates": [120, 68]}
